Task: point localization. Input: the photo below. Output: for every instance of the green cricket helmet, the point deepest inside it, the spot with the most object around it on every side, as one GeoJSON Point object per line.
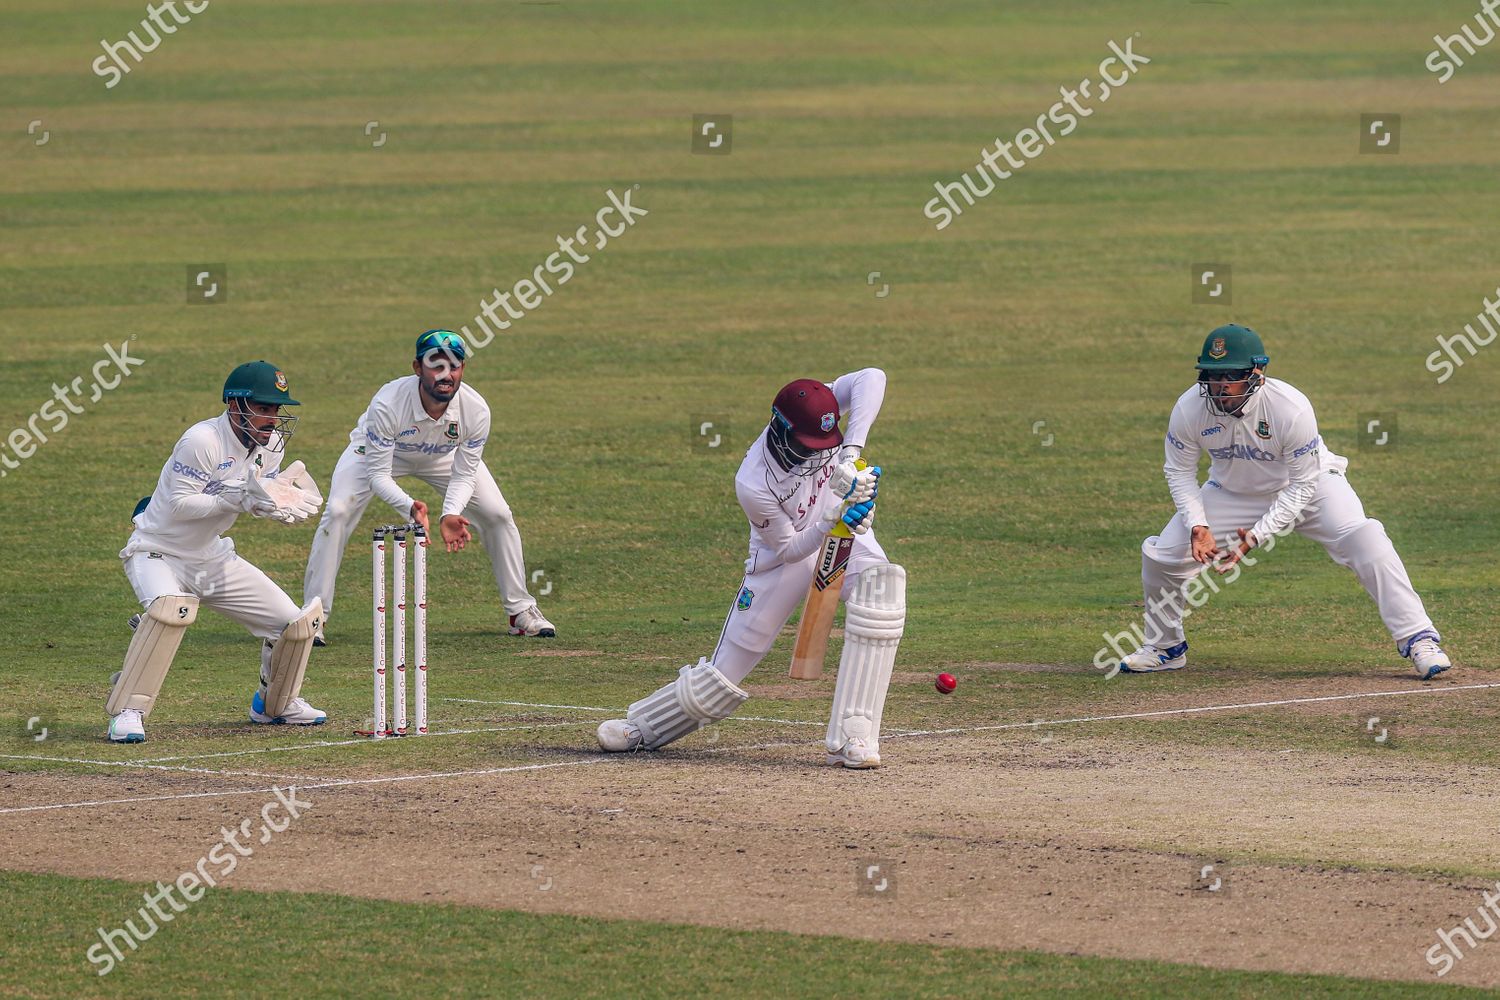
{"type": "Point", "coordinates": [263, 383]}
{"type": "Point", "coordinates": [1231, 354]}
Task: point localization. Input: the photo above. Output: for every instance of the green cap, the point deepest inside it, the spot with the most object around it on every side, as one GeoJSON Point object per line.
{"type": "Point", "coordinates": [260, 382]}
{"type": "Point", "coordinates": [1232, 348]}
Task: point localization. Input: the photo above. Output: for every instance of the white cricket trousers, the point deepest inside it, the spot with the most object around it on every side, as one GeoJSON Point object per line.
{"type": "Point", "coordinates": [231, 586]}
{"type": "Point", "coordinates": [767, 598]}
{"type": "Point", "coordinates": [1334, 518]}
{"type": "Point", "coordinates": [349, 493]}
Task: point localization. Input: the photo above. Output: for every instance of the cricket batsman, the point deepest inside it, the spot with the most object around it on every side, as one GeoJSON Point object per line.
{"type": "Point", "coordinates": [796, 482]}
{"type": "Point", "coordinates": [429, 425]}
{"type": "Point", "coordinates": [1270, 474]}
{"type": "Point", "coordinates": [177, 558]}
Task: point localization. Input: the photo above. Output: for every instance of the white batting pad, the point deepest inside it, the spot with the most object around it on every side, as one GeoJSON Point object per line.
{"type": "Point", "coordinates": [874, 620]}
{"type": "Point", "coordinates": [151, 652]}
{"type": "Point", "coordinates": [698, 696]}
{"type": "Point", "coordinates": [289, 659]}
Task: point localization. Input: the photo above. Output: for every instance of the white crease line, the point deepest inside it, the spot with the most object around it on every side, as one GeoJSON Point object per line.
{"type": "Point", "coordinates": [1190, 711]}
{"type": "Point", "coordinates": [758, 746]}
{"type": "Point", "coordinates": [306, 788]}
{"type": "Point", "coordinates": [152, 767]}
{"type": "Point", "coordinates": [621, 711]}
{"type": "Point", "coordinates": [364, 741]}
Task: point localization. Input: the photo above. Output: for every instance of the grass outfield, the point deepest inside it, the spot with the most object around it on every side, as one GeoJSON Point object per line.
{"type": "Point", "coordinates": [327, 945]}
{"type": "Point", "coordinates": [1063, 297]}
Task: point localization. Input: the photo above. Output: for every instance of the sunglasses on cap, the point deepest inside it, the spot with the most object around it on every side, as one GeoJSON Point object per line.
{"type": "Point", "coordinates": [445, 341]}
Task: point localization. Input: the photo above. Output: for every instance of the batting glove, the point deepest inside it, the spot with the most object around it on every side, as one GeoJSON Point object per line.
{"type": "Point", "coordinates": [860, 517]}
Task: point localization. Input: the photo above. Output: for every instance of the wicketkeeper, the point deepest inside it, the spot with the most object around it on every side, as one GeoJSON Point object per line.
{"type": "Point", "coordinates": [796, 482]}
{"type": "Point", "coordinates": [177, 558]}
{"type": "Point", "coordinates": [429, 425]}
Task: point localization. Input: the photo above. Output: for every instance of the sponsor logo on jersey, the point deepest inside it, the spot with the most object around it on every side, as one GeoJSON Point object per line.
{"type": "Point", "coordinates": [828, 421]}
{"type": "Point", "coordinates": [452, 430]}
{"type": "Point", "coordinates": [742, 603]}
{"type": "Point", "coordinates": [1242, 451]}
{"type": "Point", "coordinates": [1310, 446]}
{"type": "Point", "coordinates": [1217, 349]}
{"type": "Point", "coordinates": [1216, 428]}
{"type": "Point", "coordinates": [408, 432]}
{"type": "Point", "coordinates": [1263, 430]}
{"type": "Point", "coordinates": [224, 465]}
{"type": "Point", "coordinates": [1172, 440]}
{"type": "Point", "coordinates": [281, 381]}
{"type": "Point", "coordinates": [190, 472]}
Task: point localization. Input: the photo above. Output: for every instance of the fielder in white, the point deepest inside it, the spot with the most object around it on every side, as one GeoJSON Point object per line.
{"type": "Point", "coordinates": [1270, 473]}
{"type": "Point", "coordinates": [793, 490]}
{"type": "Point", "coordinates": [177, 558]}
{"type": "Point", "coordinates": [431, 426]}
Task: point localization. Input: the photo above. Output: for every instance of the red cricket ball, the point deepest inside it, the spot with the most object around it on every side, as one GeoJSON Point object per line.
{"type": "Point", "coordinates": [946, 683]}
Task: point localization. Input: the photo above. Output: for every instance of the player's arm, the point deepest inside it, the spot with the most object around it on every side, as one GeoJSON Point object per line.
{"type": "Point", "coordinates": [776, 530]}
{"type": "Point", "coordinates": [191, 474]}
{"type": "Point", "coordinates": [860, 395]}
{"type": "Point", "coordinates": [466, 461]}
{"type": "Point", "coordinates": [1303, 464]}
{"type": "Point", "coordinates": [380, 452]}
{"type": "Point", "coordinates": [1183, 449]}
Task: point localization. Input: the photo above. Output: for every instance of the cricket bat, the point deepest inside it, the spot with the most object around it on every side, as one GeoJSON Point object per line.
{"type": "Point", "coordinates": [822, 602]}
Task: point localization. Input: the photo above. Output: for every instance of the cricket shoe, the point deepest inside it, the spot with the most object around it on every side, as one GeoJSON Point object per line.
{"type": "Point", "coordinates": [1427, 657]}
{"type": "Point", "coordinates": [857, 754]}
{"type": "Point", "coordinates": [134, 622]}
{"type": "Point", "coordinates": [298, 713]}
{"type": "Point", "coordinates": [619, 736]}
{"type": "Point", "coordinates": [1150, 660]}
{"type": "Point", "coordinates": [127, 727]}
{"type": "Point", "coordinates": [531, 623]}
{"type": "Point", "coordinates": [319, 640]}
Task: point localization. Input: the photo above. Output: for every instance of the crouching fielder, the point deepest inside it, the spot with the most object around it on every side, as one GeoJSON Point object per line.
{"type": "Point", "coordinates": [177, 559]}
{"type": "Point", "coordinates": [796, 482]}
{"type": "Point", "coordinates": [1270, 474]}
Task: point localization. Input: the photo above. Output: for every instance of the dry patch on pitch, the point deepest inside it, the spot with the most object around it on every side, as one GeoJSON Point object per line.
{"type": "Point", "coordinates": [1074, 841]}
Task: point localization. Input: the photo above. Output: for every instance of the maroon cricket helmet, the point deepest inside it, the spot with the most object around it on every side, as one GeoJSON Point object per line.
{"type": "Point", "coordinates": [810, 413]}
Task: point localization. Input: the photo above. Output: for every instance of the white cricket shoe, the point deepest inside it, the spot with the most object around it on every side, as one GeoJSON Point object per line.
{"type": "Point", "coordinates": [1427, 657]}
{"type": "Point", "coordinates": [530, 622]}
{"type": "Point", "coordinates": [619, 736]}
{"type": "Point", "coordinates": [857, 754]}
{"type": "Point", "coordinates": [298, 713]}
{"type": "Point", "coordinates": [319, 639]}
{"type": "Point", "coordinates": [127, 727]}
{"type": "Point", "coordinates": [1150, 660]}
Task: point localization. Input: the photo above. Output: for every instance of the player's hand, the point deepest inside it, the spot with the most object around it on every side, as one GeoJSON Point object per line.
{"type": "Point", "coordinates": [455, 531]}
{"type": "Point", "coordinates": [854, 485]}
{"type": "Point", "coordinates": [418, 515]}
{"type": "Point", "coordinates": [860, 517]}
{"type": "Point", "coordinates": [1247, 542]}
{"type": "Point", "coordinates": [1204, 548]}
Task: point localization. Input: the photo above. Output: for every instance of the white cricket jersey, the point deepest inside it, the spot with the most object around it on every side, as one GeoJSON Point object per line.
{"type": "Point", "coordinates": [781, 506]}
{"type": "Point", "coordinates": [1271, 446]}
{"type": "Point", "coordinates": [186, 516]}
{"type": "Point", "coordinates": [400, 439]}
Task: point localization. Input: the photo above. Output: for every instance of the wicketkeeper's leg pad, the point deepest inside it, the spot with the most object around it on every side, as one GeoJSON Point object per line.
{"type": "Point", "coordinates": [151, 652]}
{"type": "Point", "coordinates": [698, 696]}
{"type": "Point", "coordinates": [288, 660]}
{"type": "Point", "coordinates": [874, 621]}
